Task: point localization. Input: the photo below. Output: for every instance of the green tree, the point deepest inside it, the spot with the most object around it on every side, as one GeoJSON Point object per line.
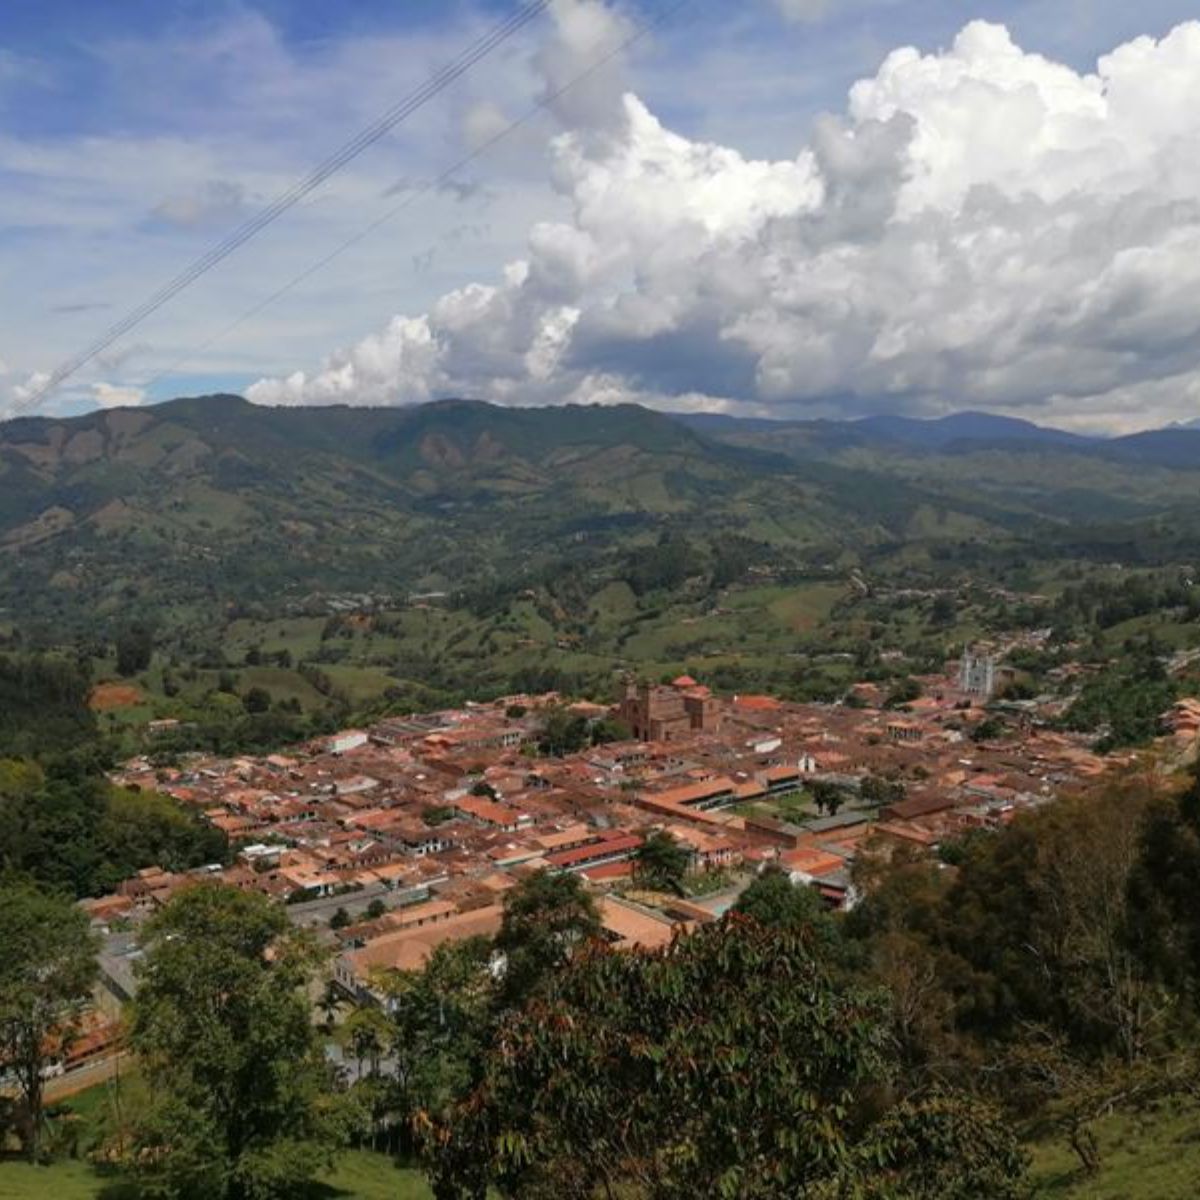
{"type": "Point", "coordinates": [610, 729]}
{"type": "Point", "coordinates": [562, 733]}
{"type": "Point", "coordinates": [878, 790]}
{"type": "Point", "coordinates": [376, 909]}
{"type": "Point", "coordinates": [1162, 891]}
{"type": "Point", "coordinates": [443, 1019]}
{"type": "Point", "coordinates": [368, 1035]}
{"type": "Point", "coordinates": [135, 648]}
{"type": "Point", "coordinates": [905, 692]}
{"type": "Point", "coordinates": [774, 901]}
{"type": "Point", "coordinates": [47, 966]}
{"type": "Point", "coordinates": [256, 700]}
{"type": "Point", "coordinates": [222, 1029]}
{"type": "Point", "coordinates": [827, 796]}
{"type": "Point", "coordinates": [730, 1063]}
{"type": "Point", "coordinates": [662, 862]}
{"type": "Point", "coordinates": [948, 1146]}
{"type": "Point", "coordinates": [546, 917]}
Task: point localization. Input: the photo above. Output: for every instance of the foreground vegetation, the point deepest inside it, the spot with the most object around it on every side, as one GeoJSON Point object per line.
{"type": "Point", "coordinates": [1039, 996]}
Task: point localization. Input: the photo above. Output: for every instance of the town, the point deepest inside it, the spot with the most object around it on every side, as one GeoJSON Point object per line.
{"type": "Point", "coordinates": [390, 840]}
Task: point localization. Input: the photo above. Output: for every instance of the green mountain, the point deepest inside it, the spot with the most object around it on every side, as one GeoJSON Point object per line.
{"type": "Point", "coordinates": [213, 500]}
{"type": "Point", "coordinates": [213, 505]}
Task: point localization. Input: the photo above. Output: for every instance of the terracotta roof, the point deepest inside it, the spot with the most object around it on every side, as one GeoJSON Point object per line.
{"type": "Point", "coordinates": [692, 792]}
{"type": "Point", "coordinates": [625, 843]}
{"type": "Point", "coordinates": [409, 949]}
{"type": "Point", "coordinates": [631, 927]}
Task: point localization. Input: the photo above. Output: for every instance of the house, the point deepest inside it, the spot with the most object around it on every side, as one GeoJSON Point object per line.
{"type": "Point", "coordinates": [614, 848]}
{"type": "Point", "coordinates": [705, 794]}
{"type": "Point", "coordinates": [483, 811]}
{"type": "Point", "coordinates": [409, 949]}
{"type": "Point", "coordinates": [344, 742]}
{"type": "Point", "coordinates": [628, 926]}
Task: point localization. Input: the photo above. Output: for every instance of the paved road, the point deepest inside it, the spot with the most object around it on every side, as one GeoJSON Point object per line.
{"type": "Point", "coordinates": [318, 912]}
{"type": "Point", "coordinates": [77, 1081]}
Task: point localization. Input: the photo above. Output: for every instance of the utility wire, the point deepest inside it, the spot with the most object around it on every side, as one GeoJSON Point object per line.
{"type": "Point", "coordinates": [437, 83]}
{"type": "Point", "coordinates": [429, 186]}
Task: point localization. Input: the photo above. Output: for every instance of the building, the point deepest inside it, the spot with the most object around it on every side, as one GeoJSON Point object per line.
{"type": "Point", "coordinates": [671, 712]}
{"type": "Point", "coordinates": [977, 674]}
{"type": "Point", "coordinates": [347, 740]}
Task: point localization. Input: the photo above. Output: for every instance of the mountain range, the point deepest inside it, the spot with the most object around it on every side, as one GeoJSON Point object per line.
{"type": "Point", "coordinates": [211, 500]}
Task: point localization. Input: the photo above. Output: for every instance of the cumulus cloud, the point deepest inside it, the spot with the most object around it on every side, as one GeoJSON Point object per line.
{"type": "Point", "coordinates": [580, 84]}
{"type": "Point", "coordinates": [980, 227]}
{"type": "Point", "coordinates": [16, 390]}
{"type": "Point", "coordinates": [108, 395]}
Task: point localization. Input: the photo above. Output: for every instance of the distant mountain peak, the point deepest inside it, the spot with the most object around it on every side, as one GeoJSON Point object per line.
{"type": "Point", "coordinates": [936, 433]}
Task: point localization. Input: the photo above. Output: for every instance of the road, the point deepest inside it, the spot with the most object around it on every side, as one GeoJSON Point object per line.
{"type": "Point", "coordinates": [96, 1072]}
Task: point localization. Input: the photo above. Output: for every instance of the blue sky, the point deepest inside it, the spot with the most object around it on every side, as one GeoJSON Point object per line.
{"type": "Point", "coordinates": [134, 134]}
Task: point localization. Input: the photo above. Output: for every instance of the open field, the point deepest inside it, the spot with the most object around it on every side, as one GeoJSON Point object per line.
{"type": "Point", "coordinates": [1154, 1155]}
{"type": "Point", "coordinates": [359, 1175]}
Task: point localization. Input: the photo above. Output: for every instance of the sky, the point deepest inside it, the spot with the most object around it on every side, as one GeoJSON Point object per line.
{"type": "Point", "coordinates": [788, 208]}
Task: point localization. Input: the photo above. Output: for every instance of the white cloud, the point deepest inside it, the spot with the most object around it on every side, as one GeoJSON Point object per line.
{"type": "Point", "coordinates": [582, 84]}
{"type": "Point", "coordinates": [982, 227]}
{"type": "Point", "coordinates": [15, 392]}
{"type": "Point", "coordinates": [108, 395]}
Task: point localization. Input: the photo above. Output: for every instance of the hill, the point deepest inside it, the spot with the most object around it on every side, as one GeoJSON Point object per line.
{"type": "Point", "coordinates": [211, 501]}
{"type": "Point", "coordinates": [583, 539]}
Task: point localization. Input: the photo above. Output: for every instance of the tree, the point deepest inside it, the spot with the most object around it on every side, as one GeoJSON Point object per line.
{"type": "Point", "coordinates": [730, 1063]}
{"type": "Point", "coordinates": [562, 733]}
{"type": "Point", "coordinates": [610, 729]}
{"type": "Point", "coordinates": [222, 1030]}
{"type": "Point", "coordinates": [256, 700]}
{"type": "Point", "coordinates": [943, 611]}
{"type": "Point", "coordinates": [774, 901]}
{"type": "Point", "coordinates": [827, 796]}
{"type": "Point", "coordinates": [948, 1146]}
{"type": "Point", "coordinates": [545, 918]}
{"type": "Point", "coordinates": [1162, 891]}
{"type": "Point", "coordinates": [135, 648]}
{"type": "Point", "coordinates": [905, 692]}
{"type": "Point", "coordinates": [330, 1003]}
{"type": "Point", "coordinates": [662, 862]}
{"type": "Point", "coordinates": [47, 965]}
{"type": "Point", "coordinates": [878, 790]}
{"type": "Point", "coordinates": [443, 1020]}
{"type": "Point", "coordinates": [376, 909]}
{"type": "Point", "coordinates": [368, 1037]}
{"type": "Point", "coordinates": [340, 919]}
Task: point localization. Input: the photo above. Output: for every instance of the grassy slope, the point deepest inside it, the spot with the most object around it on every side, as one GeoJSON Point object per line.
{"type": "Point", "coordinates": [1148, 1156]}
{"type": "Point", "coordinates": [1145, 1156]}
{"type": "Point", "coordinates": [358, 1176]}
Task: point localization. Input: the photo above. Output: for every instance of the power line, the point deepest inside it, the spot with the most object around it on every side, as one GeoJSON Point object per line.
{"type": "Point", "coordinates": [437, 83]}
{"type": "Point", "coordinates": [431, 185]}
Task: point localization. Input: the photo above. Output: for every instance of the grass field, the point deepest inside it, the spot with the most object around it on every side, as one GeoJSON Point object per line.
{"type": "Point", "coordinates": [1144, 1156]}
{"type": "Point", "coordinates": [1150, 1155]}
{"type": "Point", "coordinates": [359, 1175]}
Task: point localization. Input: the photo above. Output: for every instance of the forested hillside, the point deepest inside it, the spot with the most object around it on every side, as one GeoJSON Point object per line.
{"type": "Point", "coordinates": [212, 504]}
